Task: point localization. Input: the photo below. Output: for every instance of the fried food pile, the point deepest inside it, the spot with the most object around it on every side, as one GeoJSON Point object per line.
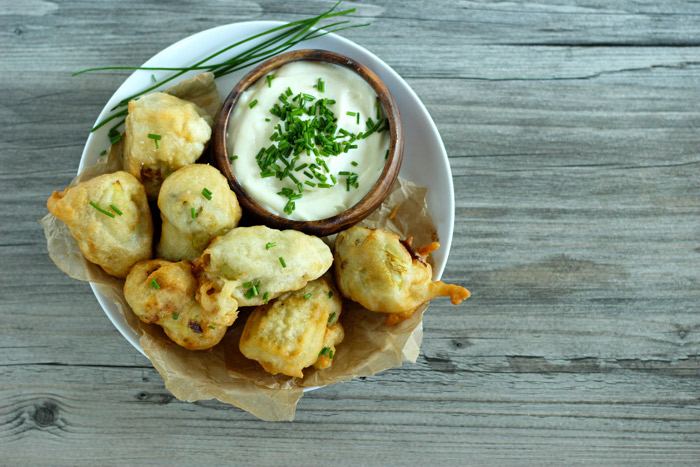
{"type": "Point", "coordinates": [206, 267]}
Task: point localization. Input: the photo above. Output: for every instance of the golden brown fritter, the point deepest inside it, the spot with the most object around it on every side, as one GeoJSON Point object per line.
{"type": "Point", "coordinates": [383, 274]}
{"type": "Point", "coordinates": [191, 216]}
{"type": "Point", "coordinates": [254, 263]}
{"type": "Point", "coordinates": [295, 331]}
{"type": "Point", "coordinates": [179, 132]}
{"type": "Point", "coordinates": [163, 293]}
{"type": "Point", "coordinates": [116, 230]}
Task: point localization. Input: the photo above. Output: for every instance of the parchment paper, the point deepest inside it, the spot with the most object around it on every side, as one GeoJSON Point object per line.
{"type": "Point", "coordinates": [222, 372]}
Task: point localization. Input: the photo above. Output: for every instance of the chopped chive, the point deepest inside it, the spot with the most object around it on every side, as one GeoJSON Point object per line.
{"type": "Point", "coordinates": [324, 185]}
{"type": "Point", "coordinates": [307, 296]}
{"type": "Point", "coordinates": [176, 315]}
{"type": "Point", "coordinates": [154, 284]}
{"type": "Point", "coordinates": [352, 114]}
{"type": "Point", "coordinates": [153, 77]}
{"type": "Point", "coordinates": [107, 213]}
{"type": "Point", "coordinates": [233, 158]}
{"type": "Point", "coordinates": [311, 184]}
{"type": "Point", "coordinates": [212, 327]}
{"type": "Point", "coordinates": [284, 265]}
{"type": "Point", "coordinates": [354, 164]}
{"type": "Point", "coordinates": [115, 209]}
{"type": "Point", "coordinates": [321, 86]}
{"type": "Point", "coordinates": [167, 175]}
{"type": "Point", "coordinates": [115, 139]}
{"type": "Point", "coordinates": [358, 118]}
{"type": "Point", "coordinates": [103, 152]}
{"type": "Point", "coordinates": [330, 294]}
{"type": "Point", "coordinates": [253, 104]}
{"type": "Point", "coordinates": [269, 80]}
{"type": "Point", "coordinates": [288, 92]}
{"type": "Point", "coordinates": [155, 138]}
{"type": "Point", "coordinates": [330, 319]}
{"type": "Point", "coordinates": [247, 284]}
{"type": "Point", "coordinates": [206, 193]}
{"type": "Point", "coordinates": [324, 351]}
{"type": "Point", "coordinates": [193, 213]}
{"type": "Point", "coordinates": [270, 245]}
{"type": "Point", "coordinates": [265, 297]}
{"type": "Point", "coordinates": [249, 293]}
{"type": "Point", "coordinates": [330, 355]}
{"type": "Point", "coordinates": [386, 156]}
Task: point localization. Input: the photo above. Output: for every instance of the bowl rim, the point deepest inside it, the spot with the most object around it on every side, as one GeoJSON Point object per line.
{"type": "Point", "coordinates": [377, 193]}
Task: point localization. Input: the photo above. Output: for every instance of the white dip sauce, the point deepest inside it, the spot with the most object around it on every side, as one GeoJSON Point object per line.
{"type": "Point", "coordinates": [249, 132]}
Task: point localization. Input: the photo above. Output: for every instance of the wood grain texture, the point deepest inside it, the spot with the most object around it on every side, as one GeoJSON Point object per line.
{"type": "Point", "coordinates": [572, 129]}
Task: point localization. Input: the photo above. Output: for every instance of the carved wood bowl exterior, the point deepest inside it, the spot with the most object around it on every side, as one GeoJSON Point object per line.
{"type": "Point", "coordinates": [366, 205]}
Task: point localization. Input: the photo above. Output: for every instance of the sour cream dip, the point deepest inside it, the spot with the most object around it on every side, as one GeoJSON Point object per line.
{"type": "Point", "coordinates": [308, 140]}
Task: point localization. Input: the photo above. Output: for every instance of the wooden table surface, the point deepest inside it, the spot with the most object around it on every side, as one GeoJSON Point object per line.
{"type": "Point", "coordinates": [572, 130]}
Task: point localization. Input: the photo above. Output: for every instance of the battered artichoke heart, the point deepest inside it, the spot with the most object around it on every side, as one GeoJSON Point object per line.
{"type": "Point", "coordinates": [297, 330]}
{"type": "Point", "coordinates": [163, 133]}
{"type": "Point", "coordinates": [109, 217]}
{"type": "Point", "coordinates": [163, 293]}
{"type": "Point", "coordinates": [196, 205]}
{"type": "Point", "coordinates": [384, 274]}
{"type": "Point", "coordinates": [255, 264]}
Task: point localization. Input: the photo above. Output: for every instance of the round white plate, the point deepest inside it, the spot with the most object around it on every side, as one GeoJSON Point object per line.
{"type": "Point", "coordinates": [425, 160]}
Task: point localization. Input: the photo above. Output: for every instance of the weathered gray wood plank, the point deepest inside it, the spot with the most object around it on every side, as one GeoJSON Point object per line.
{"type": "Point", "coordinates": [572, 133]}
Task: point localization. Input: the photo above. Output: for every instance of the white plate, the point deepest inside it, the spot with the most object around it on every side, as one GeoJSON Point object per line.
{"type": "Point", "coordinates": [425, 161]}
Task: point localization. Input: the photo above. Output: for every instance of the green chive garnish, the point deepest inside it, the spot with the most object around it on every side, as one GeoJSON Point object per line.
{"type": "Point", "coordinates": [207, 194]}
{"type": "Point", "coordinates": [330, 355]}
{"type": "Point", "coordinates": [321, 86]}
{"type": "Point", "coordinates": [233, 158]}
{"type": "Point", "coordinates": [330, 294]}
{"type": "Point", "coordinates": [115, 209]}
{"type": "Point", "coordinates": [352, 114]}
{"type": "Point", "coordinates": [265, 297]}
{"type": "Point", "coordinates": [176, 315]}
{"type": "Point", "coordinates": [153, 77]}
{"type": "Point", "coordinates": [107, 213]}
{"type": "Point", "coordinates": [252, 104]}
{"type": "Point", "coordinates": [386, 156]}
{"type": "Point", "coordinates": [354, 164]}
{"type": "Point", "coordinates": [193, 213]}
{"type": "Point", "coordinates": [247, 284]}
{"type": "Point", "coordinates": [324, 351]}
{"type": "Point", "coordinates": [284, 265]}
{"type": "Point", "coordinates": [307, 296]}
{"type": "Point", "coordinates": [330, 319]}
{"type": "Point", "coordinates": [103, 152]}
{"type": "Point", "coordinates": [154, 284]}
{"type": "Point", "coordinates": [269, 80]}
{"type": "Point", "coordinates": [155, 138]}
{"type": "Point", "coordinates": [270, 245]}
{"type": "Point", "coordinates": [115, 139]}
{"type": "Point", "coordinates": [212, 327]}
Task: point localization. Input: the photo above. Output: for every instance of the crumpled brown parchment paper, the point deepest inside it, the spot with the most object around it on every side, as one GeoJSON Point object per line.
{"type": "Point", "coordinates": [222, 372]}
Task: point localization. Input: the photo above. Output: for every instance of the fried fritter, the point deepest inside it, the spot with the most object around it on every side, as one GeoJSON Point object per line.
{"type": "Point", "coordinates": [295, 331]}
{"type": "Point", "coordinates": [377, 270]}
{"type": "Point", "coordinates": [162, 134]}
{"type": "Point", "coordinates": [258, 263]}
{"type": "Point", "coordinates": [109, 217]}
{"type": "Point", "coordinates": [163, 293]}
{"type": "Point", "coordinates": [196, 205]}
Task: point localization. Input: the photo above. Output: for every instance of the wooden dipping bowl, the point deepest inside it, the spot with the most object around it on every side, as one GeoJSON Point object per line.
{"type": "Point", "coordinates": [372, 199]}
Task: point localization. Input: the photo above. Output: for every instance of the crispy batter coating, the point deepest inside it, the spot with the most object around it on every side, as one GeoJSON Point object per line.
{"type": "Point", "coordinates": [163, 293]}
{"type": "Point", "coordinates": [297, 330]}
{"type": "Point", "coordinates": [245, 262]}
{"type": "Point", "coordinates": [179, 133]}
{"type": "Point", "coordinates": [113, 241]}
{"type": "Point", "coordinates": [190, 219]}
{"type": "Point", "coordinates": [383, 274]}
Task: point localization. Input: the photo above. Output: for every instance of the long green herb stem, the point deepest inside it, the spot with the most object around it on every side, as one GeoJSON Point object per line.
{"type": "Point", "coordinates": [291, 34]}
